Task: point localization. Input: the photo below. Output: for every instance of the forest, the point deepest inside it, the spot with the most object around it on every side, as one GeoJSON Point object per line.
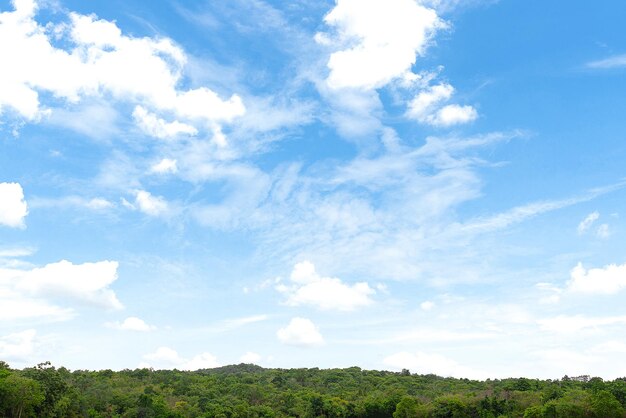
{"type": "Point", "coordinates": [246, 390]}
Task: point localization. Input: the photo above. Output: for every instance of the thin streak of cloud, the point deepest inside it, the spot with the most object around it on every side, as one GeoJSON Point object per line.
{"type": "Point", "coordinates": [615, 61]}
{"type": "Point", "coordinates": [227, 325]}
{"type": "Point", "coordinates": [521, 213]}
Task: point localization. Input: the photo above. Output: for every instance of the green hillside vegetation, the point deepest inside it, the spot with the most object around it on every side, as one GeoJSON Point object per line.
{"type": "Point", "coordinates": [250, 391]}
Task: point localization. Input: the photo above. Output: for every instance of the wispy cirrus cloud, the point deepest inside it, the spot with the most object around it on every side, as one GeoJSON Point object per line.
{"type": "Point", "coordinates": [586, 223]}
{"type": "Point", "coordinates": [615, 61]}
{"type": "Point", "coordinates": [68, 202]}
{"type": "Point", "coordinates": [521, 213]}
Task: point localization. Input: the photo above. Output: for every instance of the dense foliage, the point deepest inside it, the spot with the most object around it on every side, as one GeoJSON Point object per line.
{"type": "Point", "coordinates": [251, 391]}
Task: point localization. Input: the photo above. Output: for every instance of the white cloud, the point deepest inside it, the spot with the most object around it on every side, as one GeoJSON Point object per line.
{"type": "Point", "coordinates": [165, 166]}
{"type": "Point", "coordinates": [101, 61]}
{"type": "Point", "coordinates": [95, 120]}
{"type": "Point", "coordinates": [447, 6]}
{"type": "Point", "coordinates": [250, 358]}
{"type": "Point", "coordinates": [603, 281]}
{"type": "Point", "coordinates": [240, 322]}
{"type": "Point", "coordinates": [14, 307]}
{"type": "Point", "coordinates": [523, 212]}
{"type": "Point", "coordinates": [167, 358]}
{"type": "Point", "coordinates": [325, 293]}
{"type": "Point", "coordinates": [300, 332]}
{"type": "Point", "coordinates": [586, 223]}
{"type": "Point", "coordinates": [374, 44]}
{"type": "Point", "coordinates": [553, 293]}
{"type": "Point", "coordinates": [34, 293]}
{"type": "Point", "coordinates": [16, 252]}
{"type": "Point", "coordinates": [454, 115]}
{"type": "Point", "coordinates": [423, 105]}
{"type": "Point", "coordinates": [149, 204]}
{"type": "Point", "coordinates": [232, 324]}
{"type": "Point", "coordinates": [423, 363]}
{"type": "Point", "coordinates": [98, 203]}
{"type": "Point", "coordinates": [18, 346]}
{"type": "Point", "coordinates": [159, 128]}
{"type": "Point", "coordinates": [427, 107]}
{"type": "Point", "coordinates": [427, 305]}
{"type": "Point", "coordinates": [164, 355]}
{"type": "Point", "coordinates": [603, 231]}
{"type": "Point", "coordinates": [616, 61]}
{"type": "Point", "coordinates": [424, 335]}
{"type": "Point", "coordinates": [566, 361]}
{"type": "Point", "coordinates": [611, 346]}
{"type": "Point", "coordinates": [376, 41]}
{"type": "Point", "coordinates": [131, 324]}
{"type": "Point", "coordinates": [13, 207]}
{"type": "Point", "coordinates": [574, 324]}
{"type": "Point", "coordinates": [87, 282]}
{"type": "Point", "coordinates": [355, 113]}
{"type": "Point", "coordinates": [389, 215]}
{"type": "Point", "coordinates": [127, 204]}
{"type": "Point", "coordinates": [201, 361]}
{"type": "Point", "coordinates": [95, 203]}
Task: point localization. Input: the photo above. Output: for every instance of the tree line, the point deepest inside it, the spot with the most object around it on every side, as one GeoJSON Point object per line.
{"type": "Point", "coordinates": [250, 391]}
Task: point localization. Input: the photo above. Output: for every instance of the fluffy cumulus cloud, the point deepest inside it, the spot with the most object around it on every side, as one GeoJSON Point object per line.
{"type": "Point", "coordinates": [307, 287]}
{"type": "Point", "coordinates": [131, 323]}
{"type": "Point", "coordinates": [168, 358]}
{"type": "Point", "coordinates": [159, 128]}
{"type": "Point", "coordinates": [13, 207]}
{"type": "Point", "coordinates": [424, 363]}
{"type": "Point", "coordinates": [422, 106]}
{"type": "Point", "coordinates": [87, 282]}
{"type": "Point", "coordinates": [36, 293]}
{"type": "Point", "coordinates": [149, 204]}
{"type": "Point", "coordinates": [375, 44]}
{"type": "Point", "coordinates": [427, 107]}
{"type": "Point", "coordinates": [100, 60]}
{"type": "Point", "coordinates": [608, 280]}
{"type": "Point", "coordinates": [300, 332]}
{"type": "Point", "coordinates": [454, 115]}
{"type": "Point", "coordinates": [165, 166]}
{"type": "Point", "coordinates": [376, 41]}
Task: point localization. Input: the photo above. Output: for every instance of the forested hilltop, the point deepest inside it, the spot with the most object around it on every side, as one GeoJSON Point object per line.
{"type": "Point", "coordinates": [250, 391]}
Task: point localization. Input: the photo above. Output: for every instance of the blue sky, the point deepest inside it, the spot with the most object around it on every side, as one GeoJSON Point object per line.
{"type": "Point", "coordinates": [435, 185]}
